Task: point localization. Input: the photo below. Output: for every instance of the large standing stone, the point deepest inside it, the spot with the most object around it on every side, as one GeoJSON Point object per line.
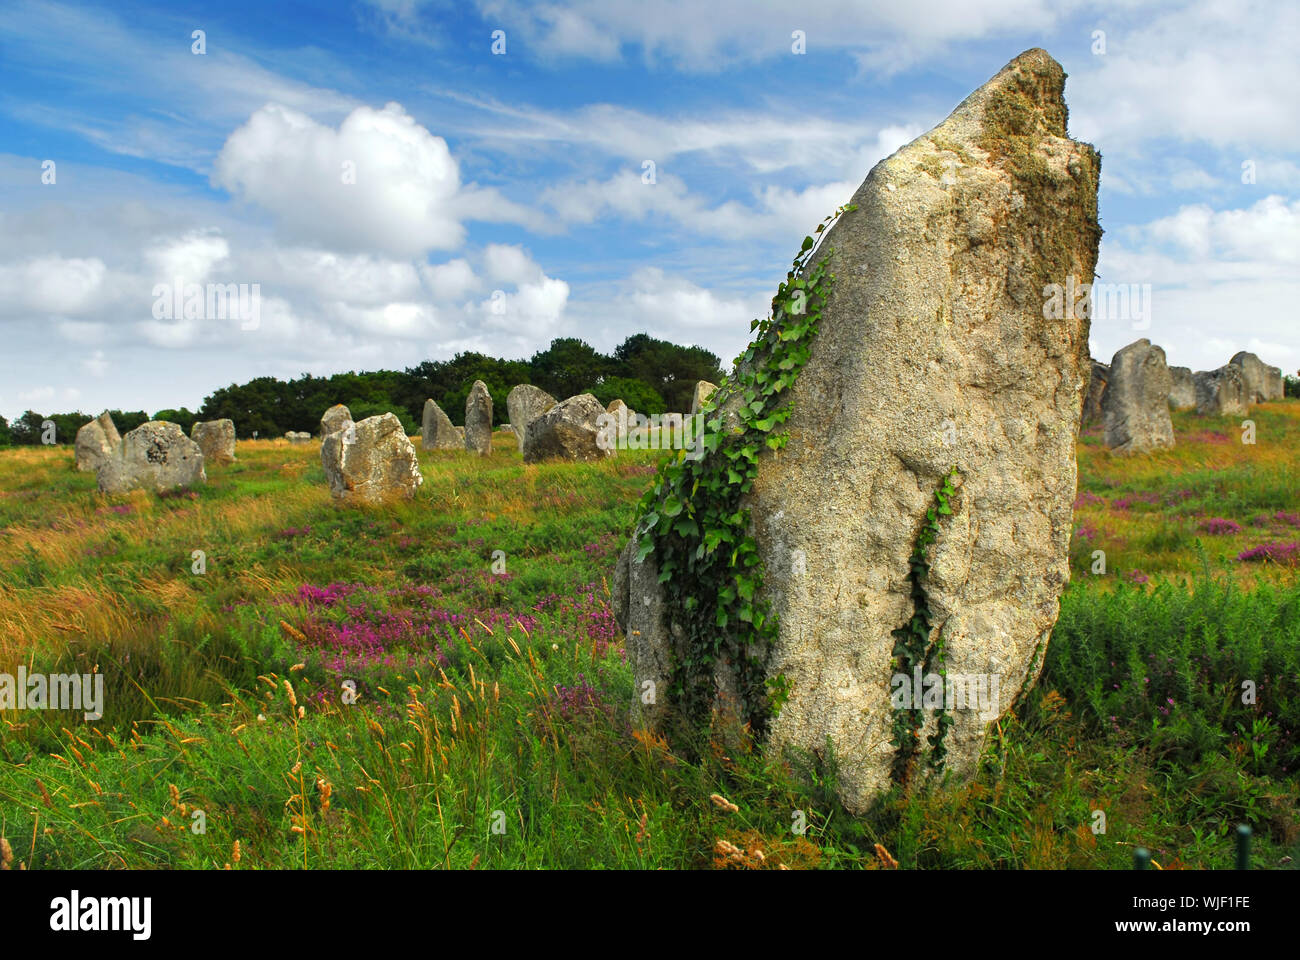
{"type": "Point", "coordinates": [933, 351]}
{"type": "Point", "coordinates": [1221, 392]}
{"type": "Point", "coordinates": [524, 404]}
{"type": "Point", "coordinates": [703, 390]}
{"type": "Point", "coordinates": [216, 438]}
{"type": "Point", "coordinates": [1263, 383]}
{"type": "Point", "coordinates": [1182, 389]}
{"type": "Point", "coordinates": [567, 431]}
{"type": "Point", "coordinates": [96, 442]}
{"type": "Point", "coordinates": [373, 462]}
{"type": "Point", "coordinates": [335, 418]}
{"type": "Point", "coordinates": [478, 419]}
{"type": "Point", "coordinates": [1096, 390]}
{"type": "Point", "coordinates": [154, 456]}
{"type": "Point", "coordinates": [437, 432]}
{"type": "Point", "coordinates": [1135, 407]}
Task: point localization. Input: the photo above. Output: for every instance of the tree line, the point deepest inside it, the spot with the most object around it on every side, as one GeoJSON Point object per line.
{"type": "Point", "coordinates": [649, 375]}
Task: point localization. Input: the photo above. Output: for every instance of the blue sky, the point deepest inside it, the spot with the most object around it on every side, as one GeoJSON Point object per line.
{"type": "Point", "coordinates": [519, 175]}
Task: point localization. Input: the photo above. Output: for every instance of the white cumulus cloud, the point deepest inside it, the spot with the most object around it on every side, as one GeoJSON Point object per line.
{"type": "Point", "coordinates": [380, 182]}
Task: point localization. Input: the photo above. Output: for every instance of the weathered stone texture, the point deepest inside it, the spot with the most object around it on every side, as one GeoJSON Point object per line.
{"type": "Point", "coordinates": [154, 456]}
{"type": "Point", "coordinates": [524, 404]}
{"type": "Point", "coordinates": [568, 431]}
{"type": "Point", "coordinates": [478, 419]}
{"type": "Point", "coordinates": [96, 442]}
{"type": "Point", "coordinates": [216, 438]}
{"type": "Point", "coordinates": [1135, 408]}
{"type": "Point", "coordinates": [437, 431]}
{"type": "Point", "coordinates": [933, 351]}
{"type": "Point", "coordinates": [372, 462]}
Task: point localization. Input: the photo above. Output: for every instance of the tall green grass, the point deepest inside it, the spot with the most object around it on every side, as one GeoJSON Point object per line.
{"type": "Point", "coordinates": [505, 742]}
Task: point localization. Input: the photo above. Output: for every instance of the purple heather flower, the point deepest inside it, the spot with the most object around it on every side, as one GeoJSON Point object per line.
{"type": "Point", "coordinates": [1277, 552]}
{"type": "Point", "coordinates": [1219, 525]}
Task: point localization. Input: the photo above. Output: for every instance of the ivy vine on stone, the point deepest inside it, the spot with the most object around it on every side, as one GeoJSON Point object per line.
{"type": "Point", "coordinates": [693, 521]}
{"type": "Point", "coordinates": [912, 646]}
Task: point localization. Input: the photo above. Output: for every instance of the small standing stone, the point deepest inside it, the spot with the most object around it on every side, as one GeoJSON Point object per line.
{"type": "Point", "coordinates": [96, 442]}
{"type": "Point", "coordinates": [1263, 383]}
{"type": "Point", "coordinates": [1135, 406]}
{"type": "Point", "coordinates": [437, 432]}
{"type": "Point", "coordinates": [568, 431]}
{"type": "Point", "coordinates": [524, 404]}
{"type": "Point", "coordinates": [1222, 392]}
{"type": "Point", "coordinates": [155, 455]}
{"type": "Point", "coordinates": [1182, 392]}
{"type": "Point", "coordinates": [373, 462]}
{"type": "Point", "coordinates": [478, 419]}
{"type": "Point", "coordinates": [336, 417]}
{"type": "Point", "coordinates": [703, 390]}
{"type": "Point", "coordinates": [216, 438]}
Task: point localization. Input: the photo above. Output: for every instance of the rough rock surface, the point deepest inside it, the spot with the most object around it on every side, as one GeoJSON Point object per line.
{"type": "Point", "coordinates": [478, 419]}
{"type": "Point", "coordinates": [154, 456]}
{"type": "Point", "coordinates": [298, 437]}
{"type": "Point", "coordinates": [1263, 383]}
{"type": "Point", "coordinates": [1096, 390]}
{"type": "Point", "coordinates": [933, 351]}
{"type": "Point", "coordinates": [1135, 407]}
{"type": "Point", "coordinates": [335, 418]}
{"type": "Point", "coordinates": [703, 390]}
{"type": "Point", "coordinates": [96, 442]}
{"type": "Point", "coordinates": [1222, 392]}
{"type": "Point", "coordinates": [1274, 385]}
{"type": "Point", "coordinates": [1182, 390]}
{"type": "Point", "coordinates": [524, 404]}
{"type": "Point", "coordinates": [437, 432]}
{"type": "Point", "coordinates": [216, 438]}
{"type": "Point", "coordinates": [567, 431]}
{"type": "Point", "coordinates": [374, 462]}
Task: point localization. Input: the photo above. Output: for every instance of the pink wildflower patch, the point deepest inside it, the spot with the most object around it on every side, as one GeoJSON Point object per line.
{"type": "Point", "coordinates": [1219, 526]}
{"type": "Point", "coordinates": [1276, 552]}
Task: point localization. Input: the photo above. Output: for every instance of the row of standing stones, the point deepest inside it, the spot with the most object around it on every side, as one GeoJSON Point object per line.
{"type": "Point", "coordinates": [373, 460]}
{"type": "Point", "coordinates": [365, 462]}
{"type": "Point", "coordinates": [1132, 396]}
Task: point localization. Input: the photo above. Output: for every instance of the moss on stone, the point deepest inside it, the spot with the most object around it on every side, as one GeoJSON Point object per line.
{"type": "Point", "coordinates": [952, 146]}
{"type": "Point", "coordinates": [1018, 114]}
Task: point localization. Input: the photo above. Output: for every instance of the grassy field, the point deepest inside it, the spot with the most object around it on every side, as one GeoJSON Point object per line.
{"type": "Point", "coordinates": [490, 729]}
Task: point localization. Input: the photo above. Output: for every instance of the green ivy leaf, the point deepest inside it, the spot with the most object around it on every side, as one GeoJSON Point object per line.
{"type": "Point", "coordinates": [686, 527]}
